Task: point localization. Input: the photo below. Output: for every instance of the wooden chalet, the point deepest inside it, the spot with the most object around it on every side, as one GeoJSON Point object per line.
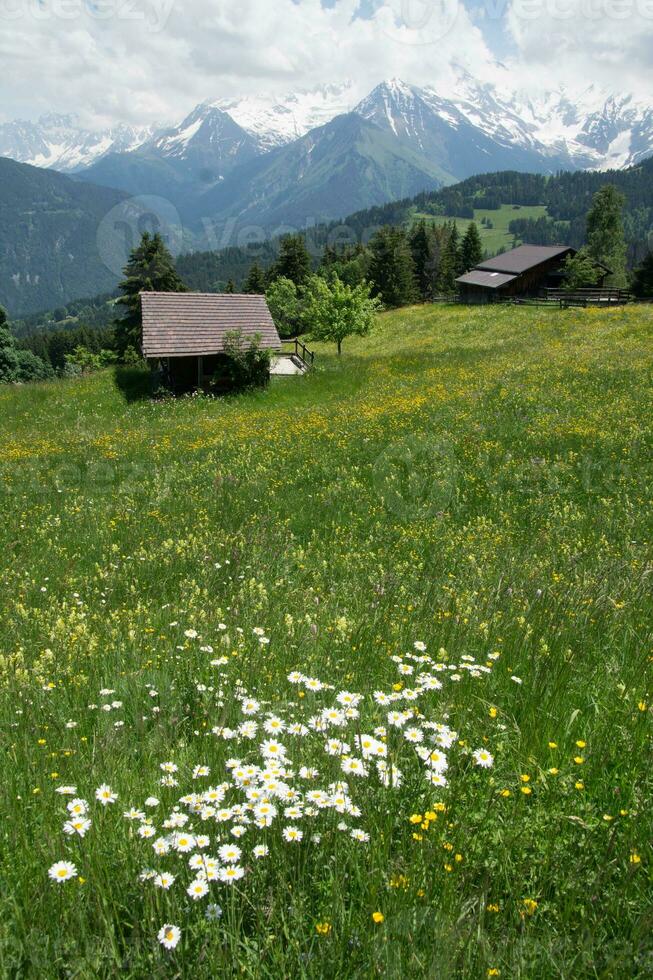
{"type": "Point", "coordinates": [527, 271]}
{"type": "Point", "coordinates": [184, 333]}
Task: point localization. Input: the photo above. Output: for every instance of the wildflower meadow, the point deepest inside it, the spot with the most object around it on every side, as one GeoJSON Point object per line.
{"type": "Point", "coordinates": [349, 677]}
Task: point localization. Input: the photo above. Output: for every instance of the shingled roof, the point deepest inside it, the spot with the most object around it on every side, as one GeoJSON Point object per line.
{"type": "Point", "coordinates": [523, 258]}
{"type": "Point", "coordinates": [481, 277]}
{"type": "Point", "coordinates": [195, 324]}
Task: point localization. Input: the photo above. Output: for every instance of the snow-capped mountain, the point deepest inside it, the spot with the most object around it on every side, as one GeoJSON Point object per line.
{"type": "Point", "coordinates": [276, 121]}
{"type": "Point", "coordinates": [479, 123]}
{"type": "Point", "coordinates": [209, 141]}
{"type": "Point", "coordinates": [598, 130]}
{"type": "Point", "coordinates": [60, 143]}
{"type": "Point", "coordinates": [331, 171]}
{"type": "Point", "coordinates": [590, 129]}
{"type": "Point", "coordinates": [471, 127]}
{"type": "Point", "coordinates": [465, 137]}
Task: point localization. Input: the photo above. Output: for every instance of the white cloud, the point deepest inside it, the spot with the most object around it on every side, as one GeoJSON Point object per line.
{"type": "Point", "coordinates": [608, 43]}
{"type": "Point", "coordinates": [139, 60]}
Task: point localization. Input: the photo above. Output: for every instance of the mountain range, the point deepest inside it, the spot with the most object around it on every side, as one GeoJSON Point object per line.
{"type": "Point", "coordinates": [58, 142]}
{"type": "Point", "coordinates": [303, 160]}
{"type": "Point", "coordinates": [591, 129]}
{"type": "Point", "coordinates": [233, 168]}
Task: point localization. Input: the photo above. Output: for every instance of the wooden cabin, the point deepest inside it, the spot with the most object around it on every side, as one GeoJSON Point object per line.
{"type": "Point", "coordinates": [523, 272]}
{"type": "Point", "coordinates": [184, 333]}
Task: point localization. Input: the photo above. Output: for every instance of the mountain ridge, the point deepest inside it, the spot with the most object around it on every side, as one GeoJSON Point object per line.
{"type": "Point", "coordinates": [589, 129]}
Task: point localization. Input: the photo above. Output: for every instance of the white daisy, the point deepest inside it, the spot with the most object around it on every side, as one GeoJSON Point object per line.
{"type": "Point", "coordinates": [78, 825]}
{"type": "Point", "coordinates": [229, 853]}
{"type": "Point", "coordinates": [292, 835]}
{"type": "Point", "coordinates": [169, 936]}
{"type": "Point", "coordinates": [62, 871]}
{"type": "Point", "coordinates": [231, 874]}
{"type": "Point", "coordinates": [105, 795]}
{"type": "Point", "coordinates": [197, 889]}
{"type": "Point", "coordinates": [164, 881]}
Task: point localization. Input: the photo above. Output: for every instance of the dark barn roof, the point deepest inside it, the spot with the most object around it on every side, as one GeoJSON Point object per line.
{"type": "Point", "coordinates": [479, 277]}
{"type": "Point", "coordinates": [195, 324]}
{"type": "Point", "coordinates": [524, 257]}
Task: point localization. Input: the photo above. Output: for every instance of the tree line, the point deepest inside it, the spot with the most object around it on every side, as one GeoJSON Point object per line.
{"type": "Point", "coordinates": [400, 266]}
{"type": "Point", "coordinates": [333, 297]}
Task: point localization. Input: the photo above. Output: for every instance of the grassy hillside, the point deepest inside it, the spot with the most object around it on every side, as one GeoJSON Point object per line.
{"type": "Point", "coordinates": [498, 236]}
{"type": "Point", "coordinates": [566, 196]}
{"type": "Point", "coordinates": [453, 522]}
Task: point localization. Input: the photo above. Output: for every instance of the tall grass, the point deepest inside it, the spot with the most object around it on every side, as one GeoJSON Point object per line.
{"type": "Point", "coordinates": [476, 481]}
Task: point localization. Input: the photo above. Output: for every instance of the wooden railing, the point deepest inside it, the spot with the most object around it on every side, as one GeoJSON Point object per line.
{"type": "Point", "coordinates": [300, 350]}
{"type": "Point", "coordinates": [589, 297]}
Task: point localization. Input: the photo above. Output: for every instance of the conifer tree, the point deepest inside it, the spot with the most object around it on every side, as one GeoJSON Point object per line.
{"type": "Point", "coordinates": [294, 262]}
{"type": "Point", "coordinates": [392, 270]}
{"type": "Point", "coordinates": [150, 269]}
{"type": "Point", "coordinates": [449, 262]}
{"type": "Point", "coordinates": [255, 281]}
{"type": "Point", "coordinates": [421, 250]}
{"type": "Point", "coordinates": [471, 249]}
{"type": "Point", "coordinates": [230, 287]}
{"type": "Point", "coordinates": [329, 257]}
{"type": "Point", "coordinates": [643, 283]}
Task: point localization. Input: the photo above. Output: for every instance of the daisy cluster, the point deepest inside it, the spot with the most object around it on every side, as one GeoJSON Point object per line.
{"type": "Point", "coordinates": [289, 778]}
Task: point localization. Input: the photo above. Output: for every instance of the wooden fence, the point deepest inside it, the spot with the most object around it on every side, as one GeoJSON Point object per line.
{"type": "Point", "coordinates": [589, 297]}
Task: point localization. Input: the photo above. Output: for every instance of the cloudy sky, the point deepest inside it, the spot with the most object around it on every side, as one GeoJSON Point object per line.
{"type": "Point", "coordinates": [140, 61]}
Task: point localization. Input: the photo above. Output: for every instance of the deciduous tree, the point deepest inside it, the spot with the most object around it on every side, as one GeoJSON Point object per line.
{"type": "Point", "coordinates": [335, 311]}
{"type": "Point", "coordinates": [286, 307]}
{"type": "Point", "coordinates": [606, 241]}
{"type": "Point", "coordinates": [580, 271]}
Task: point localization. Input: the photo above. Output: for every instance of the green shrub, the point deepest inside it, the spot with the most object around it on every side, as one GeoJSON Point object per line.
{"type": "Point", "coordinates": [32, 368]}
{"type": "Point", "coordinates": [248, 364]}
{"type": "Point", "coordinates": [131, 357]}
{"type": "Point", "coordinates": [18, 366]}
{"type": "Point", "coordinates": [88, 361]}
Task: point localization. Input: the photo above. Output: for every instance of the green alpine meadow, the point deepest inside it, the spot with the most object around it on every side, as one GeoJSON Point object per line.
{"type": "Point", "coordinates": [347, 677]}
